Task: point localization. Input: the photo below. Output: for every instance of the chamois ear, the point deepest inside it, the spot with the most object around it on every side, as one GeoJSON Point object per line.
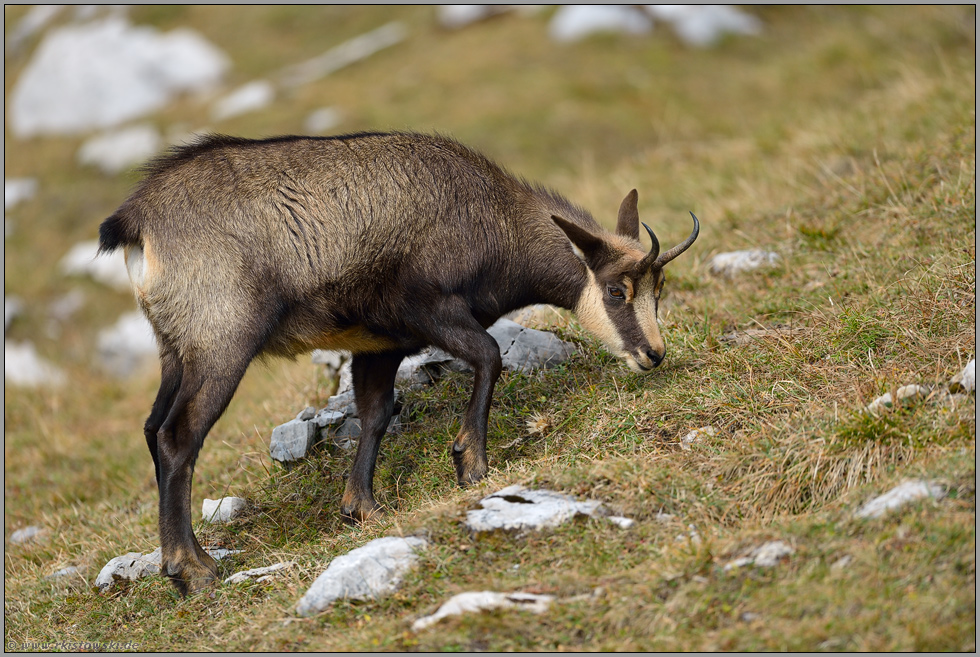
{"type": "Point", "coordinates": [628, 224]}
{"type": "Point", "coordinates": [587, 245]}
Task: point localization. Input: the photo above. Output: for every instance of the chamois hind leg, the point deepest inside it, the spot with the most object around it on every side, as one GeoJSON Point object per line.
{"type": "Point", "coordinates": [459, 333]}
{"type": "Point", "coordinates": [374, 387]}
{"type": "Point", "coordinates": [171, 371]}
{"type": "Point", "coordinates": [203, 395]}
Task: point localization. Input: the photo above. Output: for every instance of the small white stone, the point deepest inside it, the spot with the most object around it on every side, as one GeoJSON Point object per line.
{"type": "Point", "coordinates": [476, 601]}
{"type": "Point", "coordinates": [901, 495]}
{"type": "Point", "coordinates": [246, 98]}
{"type": "Point", "coordinates": [70, 571]}
{"type": "Point", "coordinates": [222, 510]}
{"type": "Point", "coordinates": [767, 555]}
{"type": "Point", "coordinates": [323, 120]}
{"type": "Point", "coordinates": [621, 522]}
{"type": "Point", "coordinates": [260, 574]}
{"type": "Point", "coordinates": [27, 534]}
{"type": "Point", "coordinates": [696, 436]}
{"type": "Point", "coordinates": [736, 262]}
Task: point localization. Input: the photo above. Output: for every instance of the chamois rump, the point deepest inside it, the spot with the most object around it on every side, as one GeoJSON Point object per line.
{"type": "Point", "coordinates": [379, 244]}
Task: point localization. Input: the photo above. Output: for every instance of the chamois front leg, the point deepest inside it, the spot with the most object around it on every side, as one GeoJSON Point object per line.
{"type": "Point", "coordinates": [374, 392]}
{"type": "Point", "coordinates": [463, 337]}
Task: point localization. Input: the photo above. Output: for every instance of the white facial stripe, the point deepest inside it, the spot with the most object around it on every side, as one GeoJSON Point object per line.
{"type": "Point", "coordinates": [645, 306]}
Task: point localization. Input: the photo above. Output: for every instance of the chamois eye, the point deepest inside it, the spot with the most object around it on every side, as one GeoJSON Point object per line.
{"type": "Point", "coordinates": [615, 293]}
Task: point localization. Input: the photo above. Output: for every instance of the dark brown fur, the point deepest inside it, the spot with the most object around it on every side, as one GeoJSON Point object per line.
{"type": "Point", "coordinates": [380, 244]}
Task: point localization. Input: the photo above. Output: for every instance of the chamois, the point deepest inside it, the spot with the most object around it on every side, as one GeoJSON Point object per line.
{"type": "Point", "coordinates": [379, 244]}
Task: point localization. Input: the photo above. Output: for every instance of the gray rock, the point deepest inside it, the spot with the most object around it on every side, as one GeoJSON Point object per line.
{"type": "Point", "coordinates": [898, 497]}
{"type": "Point", "coordinates": [222, 510]}
{"type": "Point", "coordinates": [424, 368]}
{"type": "Point", "coordinates": [525, 349]}
{"type": "Point", "coordinates": [22, 366]}
{"type": "Point", "coordinates": [83, 259]}
{"type": "Point", "coordinates": [246, 98]}
{"type": "Point", "coordinates": [477, 601]}
{"type": "Point", "coordinates": [260, 574]}
{"type": "Point", "coordinates": [18, 190]}
{"type": "Point", "coordinates": [106, 72]}
{"type": "Point", "coordinates": [519, 508]}
{"type": "Point", "coordinates": [293, 440]}
{"type": "Point", "coordinates": [307, 413]}
{"type": "Point", "coordinates": [576, 22]}
{"type": "Point", "coordinates": [766, 555]}
{"type": "Point", "coordinates": [120, 150]}
{"type": "Point", "coordinates": [539, 316]}
{"type": "Point", "coordinates": [365, 573]}
{"type": "Point", "coordinates": [29, 534]}
{"type": "Point", "coordinates": [737, 262]}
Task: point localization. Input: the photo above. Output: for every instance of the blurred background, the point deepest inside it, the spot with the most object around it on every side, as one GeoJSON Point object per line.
{"type": "Point", "coordinates": [590, 100]}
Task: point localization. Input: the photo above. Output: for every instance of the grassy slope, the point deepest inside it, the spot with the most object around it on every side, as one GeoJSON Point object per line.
{"type": "Point", "coordinates": [843, 139]}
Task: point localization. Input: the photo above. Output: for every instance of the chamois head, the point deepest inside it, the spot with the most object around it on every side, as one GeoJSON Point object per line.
{"type": "Point", "coordinates": [620, 300]}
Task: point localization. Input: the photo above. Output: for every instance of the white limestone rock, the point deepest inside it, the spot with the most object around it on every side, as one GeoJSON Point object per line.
{"type": "Point", "coordinates": [293, 440]}
{"type": "Point", "coordinates": [702, 26]}
{"type": "Point", "coordinates": [30, 534]}
{"type": "Point", "coordinates": [22, 366]}
{"type": "Point", "coordinates": [365, 573]}
{"type": "Point", "coordinates": [766, 555]}
{"type": "Point", "coordinates": [696, 436]}
{"type": "Point", "coordinates": [18, 190]}
{"type": "Point", "coordinates": [733, 263]}
{"type": "Point", "coordinates": [900, 496]}
{"type": "Point", "coordinates": [222, 510]}
{"type": "Point", "coordinates": [576, 22]}
{"type": "Point", "coordinates": [249, 97]}
{"type": "Point", "coordinates": [966, 380]}
{"type": "Point", "coordinates": [323, 120]}
{"type": "Point", "coordinates": [520, 508]}
{"type": "Point", "coordinates": [127, 346]}
{"type": "Point", "coordinates": [83, 259]}
{"type": "Point", "coordinates": [904, 395]}
{"type": "Point", "coordinates": [477, 601]}
{"type": "Point", "coordinates": [106, 72]}
{"type": "Point", "coordinates": [116, 151]}
{"type": "Point", "coordinates": [351, 51]}
{"type": "Point", "coordinates": [263, 574]}
{"type": "Point", "coordinates": [134, 565]}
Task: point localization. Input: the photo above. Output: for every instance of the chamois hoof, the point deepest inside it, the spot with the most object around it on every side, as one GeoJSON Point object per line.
{"type": "Point", "coordinates": [356, 514]}
{"type": "Point", "coordinates": [470, 468]}
{"type": "Point", "coordinates": [194, 574]}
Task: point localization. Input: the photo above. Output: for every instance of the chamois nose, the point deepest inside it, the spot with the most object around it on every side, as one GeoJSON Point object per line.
{"type": "Point", "coordinates": [656, 358]}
